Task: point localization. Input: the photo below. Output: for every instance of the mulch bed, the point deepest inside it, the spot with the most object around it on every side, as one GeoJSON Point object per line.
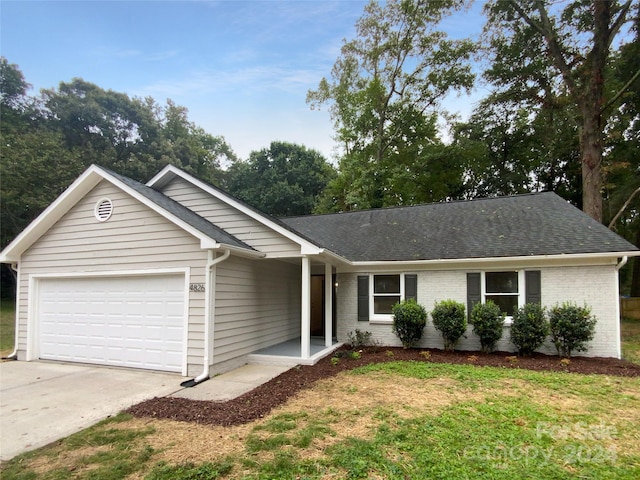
{"type": "Point", "coordinates": [260, 401]}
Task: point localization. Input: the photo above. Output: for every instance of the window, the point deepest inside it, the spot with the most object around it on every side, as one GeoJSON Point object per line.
{"type": "Point", "coordinates": [502, 289]}
{"type": "Point", "coordinates": [508, 289]}
{"type": "Point", "coordinates": [378, 293]}
{"type": "Point", "coordinates": [387, 292]}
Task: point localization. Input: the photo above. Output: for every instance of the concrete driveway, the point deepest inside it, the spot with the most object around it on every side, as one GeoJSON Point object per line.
{"type": "Point", "coordinates": [42, 402]}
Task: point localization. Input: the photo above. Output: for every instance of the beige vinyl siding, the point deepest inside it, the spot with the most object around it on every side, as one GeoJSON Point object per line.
{"type": "Point", "coordinates": [134, 238]}
{"type": "Point", "coordinates": [257, 304]}
{"type": "Point", "coordinates": [236, 223]}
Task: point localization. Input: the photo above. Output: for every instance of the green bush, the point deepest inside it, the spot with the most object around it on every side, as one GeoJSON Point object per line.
{"type": "Point", "coordinates": [572, 328]}
{"type": "Point", "coordinates": [449, 318]}
{"type": "Point", "coordinates": [488, 324]}
{"type": "Point", "coordinates": [409, 320]}
{"type": "Point", "coordinates": [529, 328]}
{"type": "Point", "coordinates": [359, 338]}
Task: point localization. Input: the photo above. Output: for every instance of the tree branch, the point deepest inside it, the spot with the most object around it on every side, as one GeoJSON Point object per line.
{"type": "Point", "coordinates": [617, 24]}
{"type": "Point", "coordinates": [623, 208]}
{"type": "Point", "coordinates": [546, 30]}
{"type": "Point", "coordinates": [621, 92]}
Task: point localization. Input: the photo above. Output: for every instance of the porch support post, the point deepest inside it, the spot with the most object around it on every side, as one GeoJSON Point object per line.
{"type": "Point", "coordinates": [305, 330]}
{"type": "Point", "coordinates": [328, 305]}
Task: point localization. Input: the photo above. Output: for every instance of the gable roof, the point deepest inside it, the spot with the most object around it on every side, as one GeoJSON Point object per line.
{"type": "Point", "coordinates": [209, 235]}
{"type": "Point", "coordinates": [183, 213]}
{"type": "Point", "coordinates": [308, 245]}
{"type": "Point", "coordinates": [523, 225]}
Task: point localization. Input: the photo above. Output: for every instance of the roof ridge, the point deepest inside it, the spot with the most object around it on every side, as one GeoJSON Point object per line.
{"type": "Point", "coordinates": [432, 204]}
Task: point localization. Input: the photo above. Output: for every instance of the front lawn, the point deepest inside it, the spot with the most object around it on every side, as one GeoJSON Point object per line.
{"type": "Point", "coordinates": [394, 420]}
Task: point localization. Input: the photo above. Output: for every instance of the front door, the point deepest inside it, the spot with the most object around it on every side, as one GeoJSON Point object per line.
{"type": "Point", "coordinates": [317, 305]}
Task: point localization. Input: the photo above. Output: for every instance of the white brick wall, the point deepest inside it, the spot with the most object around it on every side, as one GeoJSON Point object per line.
{"type": "Point", "coordinates": [594, 285]}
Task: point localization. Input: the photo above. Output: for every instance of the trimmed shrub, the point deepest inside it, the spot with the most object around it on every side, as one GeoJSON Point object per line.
{"type": "Point", "coordinates": [449, 318]}
{"type": "Point", "coordinates": [488, 324]}
{"type": "Point", "coordinates": [529, 328]}
{"type": "Point", "coordinates": [572, 328]}
{"type": "Point", "coordinates": [409, 320]}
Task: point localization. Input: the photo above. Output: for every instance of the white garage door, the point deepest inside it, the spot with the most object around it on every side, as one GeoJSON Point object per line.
{"type": "Point", "coordinates": [129, 321]}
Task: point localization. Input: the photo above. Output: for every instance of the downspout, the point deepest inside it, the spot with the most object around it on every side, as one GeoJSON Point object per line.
{"type": "Point", "coordinates": [622, 263]}
{"type": "Point", "coordinates": [208, 309]}
{"type": "Point", "coordinates": [13, 355]}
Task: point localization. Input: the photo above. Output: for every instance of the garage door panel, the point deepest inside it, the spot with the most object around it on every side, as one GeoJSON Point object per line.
{"type": "Point", "coordinates": [129, 321]}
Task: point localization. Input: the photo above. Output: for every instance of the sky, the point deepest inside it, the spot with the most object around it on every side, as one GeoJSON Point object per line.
{"type": "Point", "coordinates": [241, 68]}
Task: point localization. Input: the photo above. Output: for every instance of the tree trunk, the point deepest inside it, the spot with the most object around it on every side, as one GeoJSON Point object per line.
{"type": "Point", "coordinates": [591, 151]}
{"type": "Point", "coordinates": [591, 103]}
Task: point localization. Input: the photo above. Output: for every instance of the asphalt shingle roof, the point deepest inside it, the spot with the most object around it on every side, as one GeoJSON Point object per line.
{"type": "Point", "coordinates": [522, 225]}
{"type": "Point", "coordinates": [188, 216]}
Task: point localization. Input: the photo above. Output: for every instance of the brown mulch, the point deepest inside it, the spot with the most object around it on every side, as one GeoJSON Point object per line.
{"type": "Point", "coordinates": [260, 401]}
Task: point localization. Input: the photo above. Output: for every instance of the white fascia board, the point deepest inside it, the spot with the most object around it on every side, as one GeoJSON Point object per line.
{"type": "Point", "coordinates": [163, 177]}
{"type": "Point", "coordinates": [54, 212]}
{"type": "Point", "coordinates": [170, 172]}
{"type": "Point", "coordinates": [334, 258]}
{"type": "Point", "coordinates": [242, 252]}
{"type": "Point", "coordinates": [559, 260]}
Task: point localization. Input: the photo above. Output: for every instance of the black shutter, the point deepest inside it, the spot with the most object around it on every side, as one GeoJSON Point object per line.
{"type": "Point", "coordinates": [474, 293]}
{"type": "Point", "coordinates": [363, 298]}
{"type": "Point", "coordinates": [532, 289]}
{"type": "Point", "coordinates": [411, 287]}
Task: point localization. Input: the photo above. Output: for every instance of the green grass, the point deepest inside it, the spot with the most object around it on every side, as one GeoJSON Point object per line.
{"type": "Point", "coordinates": [495, 424]}
{"type": "Point", "coordinates": [630, 335]}
{"type": "Point", "coordinates": [7, 326]}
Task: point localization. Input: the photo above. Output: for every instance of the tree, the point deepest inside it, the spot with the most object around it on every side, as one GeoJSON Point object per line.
{"type": "Point", "coordinates": [577, 44]}
{"type": "Point", "coordinates": [13, 87]}
{"type": "Point", "coordinates": [132, 136]}
{"type": "Point", "coordinates": [383, 92]}
{"type": "Point", "coordinates": [622, 186]}
{"type": "Point", "coordinates": [509, 147]}
{"type": "Point", "coordinates": [283, 180]}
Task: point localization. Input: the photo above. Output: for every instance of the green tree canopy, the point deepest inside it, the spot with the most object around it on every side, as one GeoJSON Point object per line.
{"type": "Point", "coordinates": [283, 180]}
{"type": "Point", "coordinates": [542, 51]}
{"type": "Point", "coordinates": [383, 92]}
{"type": "Point", "coordinates": [47, 141]}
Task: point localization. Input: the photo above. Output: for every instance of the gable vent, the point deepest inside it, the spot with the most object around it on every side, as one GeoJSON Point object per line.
{"type": "Point", "coordinates": [103, 210]}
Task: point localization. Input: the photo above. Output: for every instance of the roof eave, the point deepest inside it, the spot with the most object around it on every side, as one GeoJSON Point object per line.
{"type": "Point", "coordinates": [499, 260]}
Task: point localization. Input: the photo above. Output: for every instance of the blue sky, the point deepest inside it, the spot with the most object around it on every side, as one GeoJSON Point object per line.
{"type": "Point", "coordinates": [242, 68]}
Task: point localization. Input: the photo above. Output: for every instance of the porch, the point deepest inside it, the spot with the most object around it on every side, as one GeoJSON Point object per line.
{"type": "Point", "coordinates": [290, 352]}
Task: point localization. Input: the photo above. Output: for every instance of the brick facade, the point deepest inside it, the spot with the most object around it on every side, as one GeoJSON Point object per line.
{"type": "Point", "coordinates": [596, 286]}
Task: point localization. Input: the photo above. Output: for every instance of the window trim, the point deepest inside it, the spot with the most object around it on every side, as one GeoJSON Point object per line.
{"type": "Point", "coordinates": [383, 318]}
{"type": "Point", "coordinates": [508, 320]}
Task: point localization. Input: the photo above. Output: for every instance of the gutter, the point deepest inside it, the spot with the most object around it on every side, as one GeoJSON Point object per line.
{"type": "Point", "coordinates": [208, 309]}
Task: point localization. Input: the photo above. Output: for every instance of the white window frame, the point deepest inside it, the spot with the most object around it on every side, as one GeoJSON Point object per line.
{"type": "Point", "coordinates": [382, 318]}
{"type": "Point", "coordinates": [521, 289]}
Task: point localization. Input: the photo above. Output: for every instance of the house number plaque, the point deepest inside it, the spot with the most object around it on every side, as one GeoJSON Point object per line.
{"type": "Point", "coordinates": [196, 287]}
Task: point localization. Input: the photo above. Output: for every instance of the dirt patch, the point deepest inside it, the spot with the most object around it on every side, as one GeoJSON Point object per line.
{"type": "Point", "coordinates": [259, 402]}
{"type": "Point", "coordinates": [182, 442]}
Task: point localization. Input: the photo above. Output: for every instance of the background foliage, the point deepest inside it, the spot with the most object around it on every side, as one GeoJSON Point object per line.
{"type": "Point", "coordinates": [541, 63]}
